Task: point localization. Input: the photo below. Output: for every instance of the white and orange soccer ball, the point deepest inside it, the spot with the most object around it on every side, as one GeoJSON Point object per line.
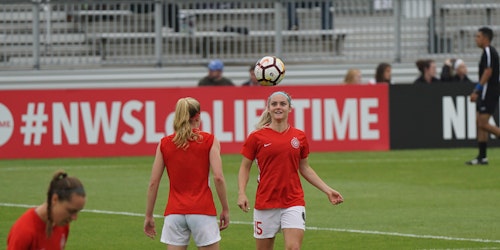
{"type": "Point", "coordinates": [269, 71]}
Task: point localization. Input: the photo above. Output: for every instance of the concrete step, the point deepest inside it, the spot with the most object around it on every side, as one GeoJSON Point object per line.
{"type": "Point", "coordinates": [27, 16]}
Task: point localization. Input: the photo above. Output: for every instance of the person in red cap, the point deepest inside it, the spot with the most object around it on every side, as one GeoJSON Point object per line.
{"type": "Point", "coordinates": [214, 77]}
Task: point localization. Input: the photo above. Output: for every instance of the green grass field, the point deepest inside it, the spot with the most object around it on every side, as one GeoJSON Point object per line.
{"type": "Point", "coordinates": [402, 199]}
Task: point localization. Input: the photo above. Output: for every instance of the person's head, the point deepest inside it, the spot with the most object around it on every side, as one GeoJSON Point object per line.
{"type": "Point", "coordinates": [427, 67]}
{"type": "Point", "coordinates": [484, 36]}
{"type": "Point", "coordinates": [187, 117]}
{"type": "Point", "coordinates": [65, 198]}
{"type": "Point", "coordinates": [353, 76]}
{"type": "Point", "coordinates": [253, 78]}
{"type": "Point", "coordinates": [383, 73]}
{"type": "Point", "coordinates": [215, 68]}
{"type": "Point", "coordinates": [278, 106]}
{"type": "Point", "coordinates": [460, 68]}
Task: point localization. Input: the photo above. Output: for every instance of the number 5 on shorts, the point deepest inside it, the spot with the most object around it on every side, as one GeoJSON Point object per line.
{"type": "Point", "coordinates": [258, 229]}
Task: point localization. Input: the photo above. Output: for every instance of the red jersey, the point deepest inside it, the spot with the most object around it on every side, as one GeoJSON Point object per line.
{"type": "Point", "coordinates": [28, 232]}
{"type": "Point", "coordinates": [189, 171]}
{"type": "Point", "coordinates": [277, 156]}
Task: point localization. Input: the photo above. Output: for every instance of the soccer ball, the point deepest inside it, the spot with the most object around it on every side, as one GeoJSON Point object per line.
{"type": "Point", "coordinates": [269, 71]}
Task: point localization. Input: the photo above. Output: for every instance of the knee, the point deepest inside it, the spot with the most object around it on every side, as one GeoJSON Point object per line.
{"type": "Point", "coordinates": [293, 246]}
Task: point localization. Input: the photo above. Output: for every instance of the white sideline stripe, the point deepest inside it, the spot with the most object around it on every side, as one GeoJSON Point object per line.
{"type": "Point", "coordinates": [436, 237]}
{"type": "Point", "coordinates": [336, 161]}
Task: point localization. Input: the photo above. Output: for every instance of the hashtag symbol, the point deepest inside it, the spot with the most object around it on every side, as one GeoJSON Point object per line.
{"type": "Point", "coordinates": [34, 124]}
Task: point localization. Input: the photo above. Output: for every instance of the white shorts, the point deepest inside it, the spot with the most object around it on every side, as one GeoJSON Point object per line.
{"type": "Point", "coordinates": [177, 229]}
{"type": "Point", "coordinates": [267, 223]}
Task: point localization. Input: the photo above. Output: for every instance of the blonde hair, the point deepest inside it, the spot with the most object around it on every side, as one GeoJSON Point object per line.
{"type": "Point", "coordinates": [265, 117]}
{"type": "Point", "coordinates": [350, 77]}
{"type": "Point", "coordinates": [185, 109]}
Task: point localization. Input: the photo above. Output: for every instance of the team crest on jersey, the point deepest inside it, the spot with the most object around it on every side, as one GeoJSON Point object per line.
{"type": "Point", "coordinates": [295, 142]}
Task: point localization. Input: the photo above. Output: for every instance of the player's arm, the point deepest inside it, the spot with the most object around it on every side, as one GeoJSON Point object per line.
{"type": "Point", "coordinates": [220, 182]}
{"type": "Point", "coordinates": [310, 175]}
{"type": "Point", "coordinates": [243, 177]}
{"type": "Point", "coordinates": [154, 183]}
{"type": "Point", "coordinates": [485, 77]}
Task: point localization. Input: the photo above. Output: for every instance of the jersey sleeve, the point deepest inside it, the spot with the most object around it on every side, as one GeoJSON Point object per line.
{"type": "Point", "coordinates": [18, 239]}
{"type": "Point", "coordinates": [249, 147]}
{"type": "Point", "coordinates": [304, 151]}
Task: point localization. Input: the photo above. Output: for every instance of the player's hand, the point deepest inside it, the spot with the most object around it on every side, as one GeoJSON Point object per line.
{"type": "Point", "coordinates": [149, 227]}
{"type": "Point", "coordinates": [224, 220]}
{"type": "Point", "coordinates": [473, 96]}
{"type": "Point", "coordinates": [335, 197]}
{"type": "Point", "coordinates": [243, 203]}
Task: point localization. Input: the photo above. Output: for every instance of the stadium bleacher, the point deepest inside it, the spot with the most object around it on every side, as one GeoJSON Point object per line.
{"type": "Point", "coordinates": [368, 36]}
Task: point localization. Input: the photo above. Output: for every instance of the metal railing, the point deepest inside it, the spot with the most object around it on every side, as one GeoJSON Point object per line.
{"type": "Point", "coordinates": [83, 33]}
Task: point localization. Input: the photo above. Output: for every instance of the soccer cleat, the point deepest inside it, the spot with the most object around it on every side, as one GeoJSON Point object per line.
{"type": "Point", "coordinates": [477, 161]}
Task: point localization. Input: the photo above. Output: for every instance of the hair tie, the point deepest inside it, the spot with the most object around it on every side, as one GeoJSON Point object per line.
{"type": "Point", "coordinates": [282, 93]}
{"type": "Point", "coordinates": [62, 176]}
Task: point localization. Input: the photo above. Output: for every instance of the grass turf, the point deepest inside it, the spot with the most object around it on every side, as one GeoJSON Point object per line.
{"type": "Point", "coordinates": [401, 199]}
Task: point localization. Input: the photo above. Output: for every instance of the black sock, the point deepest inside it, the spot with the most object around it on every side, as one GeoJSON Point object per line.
{"type": "Point", "coordinates": [482, 150]}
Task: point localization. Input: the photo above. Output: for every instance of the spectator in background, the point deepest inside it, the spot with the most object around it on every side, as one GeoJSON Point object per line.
{"type": "Point", "coordinates": [353, 76]}
{"type": "Point", "coordinates": [214, 77]}
{"type": "Point", "coordinates": [47, 225]}
{"type": "Point", "coordinates": [427, 68]}
{"type": "Point", "coordinates": [383, 74]}
{"type": "Point", "coordinates": [454, 70]}
{"type": "Point", "coordinates": [252, 81]}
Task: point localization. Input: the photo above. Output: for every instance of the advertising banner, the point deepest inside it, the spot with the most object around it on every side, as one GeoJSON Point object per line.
{"type": "Point", "coordinates": [131, 121]}
{"type": "Point", "coordinates": [434, 116]}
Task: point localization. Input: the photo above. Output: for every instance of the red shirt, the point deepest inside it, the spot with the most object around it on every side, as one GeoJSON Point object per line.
{"type": "Point", "coordinates": [277, 156]}
{"type": "Point", "coordinates": [28, 232]}
{"type": "Point", "coordinates": [189, 171]}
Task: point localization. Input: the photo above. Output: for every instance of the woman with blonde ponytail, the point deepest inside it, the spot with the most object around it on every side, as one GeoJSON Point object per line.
{"type": "Point", "coordinates": [280, 152]}
{"type": "Point", "coordinates": [47, 226]}
{"type": "Point", "coordinates": [188, 155]}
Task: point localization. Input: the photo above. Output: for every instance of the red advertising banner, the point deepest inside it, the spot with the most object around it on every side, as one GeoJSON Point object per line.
{"type": "Point", "coordinates": [130, 122]}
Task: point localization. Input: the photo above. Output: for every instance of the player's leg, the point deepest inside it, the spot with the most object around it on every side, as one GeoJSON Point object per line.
{"type": "Point", "coordinates": [175, 232]}
{"type": "Point", "coordinates": [205, 231]}
{"type": "Point", "coordinates": [293, 238]}
{"type": "Point", "coordinates": [172, 247]}
{"type": "Point", "coordinates": [214, 246]}
{"type": "Point", "coordinates": [484, 109]}
{"type": "Point", "coordinates": [266, 226]}
{"type": "Point", "coordinates": [264, 244]}
{"type": "Point", "coordinates": [482, 140]}
{"type": "Point", "coordinates": [293, 224]}
{"type": "Point", "coordinates": [483, 124]}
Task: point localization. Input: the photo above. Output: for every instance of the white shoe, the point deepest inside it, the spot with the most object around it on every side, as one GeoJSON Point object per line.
{"type": "Point", "coordinates": [477, 161]}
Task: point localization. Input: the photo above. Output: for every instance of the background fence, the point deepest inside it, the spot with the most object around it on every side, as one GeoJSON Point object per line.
{"type": "Point", "coordinates": [46, 34]}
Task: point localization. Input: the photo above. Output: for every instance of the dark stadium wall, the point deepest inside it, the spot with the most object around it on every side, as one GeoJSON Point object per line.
{"type": "Point", "coordinates": [433, 116]}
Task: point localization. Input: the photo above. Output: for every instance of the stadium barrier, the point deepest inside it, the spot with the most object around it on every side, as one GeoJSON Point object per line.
{"type": "Point", "coordinates": [130, 121]}
{"type": "Point", "coordinates": [148, 33]}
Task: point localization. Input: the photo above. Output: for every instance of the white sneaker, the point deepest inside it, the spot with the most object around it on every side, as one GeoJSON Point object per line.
{"type": "Point", "coordinates": [477, 161]}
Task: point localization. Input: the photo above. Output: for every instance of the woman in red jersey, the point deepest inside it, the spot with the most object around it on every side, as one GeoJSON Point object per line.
{"type": "Point", "coordinates": [47, 226]}
{"type": "Point", "coordinates": [188, 155]}
{"type": "Point", "coordinates": [280, 152]}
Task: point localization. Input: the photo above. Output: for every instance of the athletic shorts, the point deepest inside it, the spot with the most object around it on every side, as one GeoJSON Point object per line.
{"type": "Point", "coordinates": [177, 229]}
{"type": "Point", "coordinates": [488, 104]}
{"type": "Point", "coordinates": [268, 222]}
